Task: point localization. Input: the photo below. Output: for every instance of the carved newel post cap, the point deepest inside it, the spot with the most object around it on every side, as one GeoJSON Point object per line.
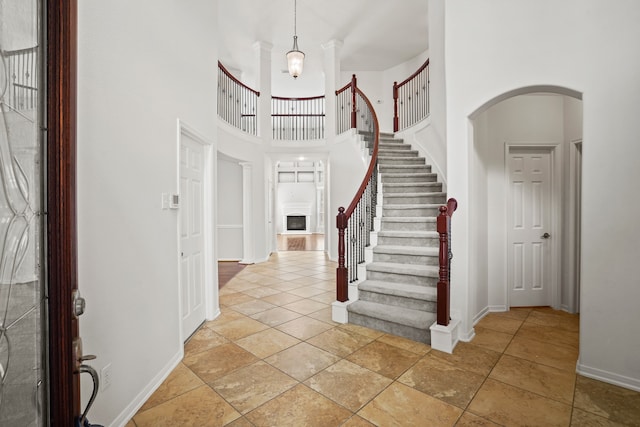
{"type": "Point", "coordinates": [443, 210]}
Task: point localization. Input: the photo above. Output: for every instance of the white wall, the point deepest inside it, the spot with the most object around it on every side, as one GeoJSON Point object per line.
{"type": "Point", "coordinates": [229, 207]}
{"type": "Point", "coordinates": [133, 86]}
{"type": "Point", "coordinates": [589, 46]}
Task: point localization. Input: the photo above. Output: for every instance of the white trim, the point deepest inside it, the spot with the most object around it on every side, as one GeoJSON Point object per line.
{"type": "Point", "coordinates": [556, 213]}
{"type": "Point", "coordinates": [248, 256]}
{"type": "Point", "coordinates": [212, 308]}
{"type": "Point", "coordinates": [141, 398]}
{"type": "Point", "coordinates": [608, 377]}
{"type": "Point", "coordinates": [480, 315]}
{"type": "Point", "coordinates": [497, 308]}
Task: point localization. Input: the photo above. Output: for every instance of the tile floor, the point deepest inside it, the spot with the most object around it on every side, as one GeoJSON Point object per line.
{"type": "Point", "coordinates": [275, 358]}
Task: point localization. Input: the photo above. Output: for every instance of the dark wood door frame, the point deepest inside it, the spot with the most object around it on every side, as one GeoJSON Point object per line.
{"type": "Point", "coordinates": [61, 242]}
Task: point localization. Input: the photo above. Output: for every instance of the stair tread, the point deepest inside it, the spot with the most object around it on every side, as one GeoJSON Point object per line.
{"type": "Point", "coordinates": [399, 289]}
{"type": "Point", "coordinates": [411, 184]}
{"type": "Point", "coordinates": [407, 233]}
{"type": "Point", "coordinates": [407, 250]}
{"type": "Point", "coordinates": [408, 219]}
{"type": "Point", "coordinates": [404, 316]}
{"type": "Point", "coordinates": [433, 193]}
{"type": "Point", "coordinates": [408, 174]}
{"type": "Point", "coordinates": [411, 205]}
{"type": "Point", "coordinates": [410, 269]}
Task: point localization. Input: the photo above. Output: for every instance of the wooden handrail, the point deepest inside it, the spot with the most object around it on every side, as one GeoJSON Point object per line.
{"type": "Point", "coordinates": [363, 206]}
{"type": "Point", "coordinates": [412, 76]}
{"type": "Point", "coordinates": [444, 257]}
{"type": "Point", "coordinates": [413, 110]}
{"type": "Point", "coordinates": [374, 158]}
{"type": "Point", "coordinates": [309, 98]}
{"type": "Point", "coordinates": [235, 80]}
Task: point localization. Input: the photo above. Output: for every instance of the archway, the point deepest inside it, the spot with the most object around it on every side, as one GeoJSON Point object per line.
{"type": "Point", "coordinates": [534, 119]}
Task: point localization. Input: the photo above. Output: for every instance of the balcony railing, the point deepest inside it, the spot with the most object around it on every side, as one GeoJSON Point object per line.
{"type": "Point", "coordinates": [411, 99]}
{"type": "Point", "coordinates": [237, 102]}
{"type": "Point", "coordinates": [21, 67]}
{"type": "Point", "coordinates": [297, 118]}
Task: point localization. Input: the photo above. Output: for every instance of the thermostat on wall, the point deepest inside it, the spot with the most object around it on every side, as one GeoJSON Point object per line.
{"type": "Point", "coordinates": [174, 201]}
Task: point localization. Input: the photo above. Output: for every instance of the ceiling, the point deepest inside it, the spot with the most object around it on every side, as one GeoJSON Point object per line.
{"type": "Point", "coordinates": [377, 34]}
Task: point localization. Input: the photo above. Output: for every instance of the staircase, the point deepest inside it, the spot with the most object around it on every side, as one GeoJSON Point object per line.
{"type": "Point", "coordinates": [399, 293]}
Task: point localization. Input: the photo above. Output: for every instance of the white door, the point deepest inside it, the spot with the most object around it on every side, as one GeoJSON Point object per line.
{"type": "Point", "coordinates": [529, 227]}
{"type": "Point", "coordinates": [191, 235]}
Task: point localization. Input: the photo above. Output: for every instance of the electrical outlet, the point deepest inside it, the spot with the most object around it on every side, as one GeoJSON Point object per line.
{"type": "Point", "coordinates": [105, 375]}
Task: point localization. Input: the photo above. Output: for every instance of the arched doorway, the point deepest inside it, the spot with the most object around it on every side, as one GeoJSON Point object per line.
{"type": "Point", "coordinates": [525, 180]}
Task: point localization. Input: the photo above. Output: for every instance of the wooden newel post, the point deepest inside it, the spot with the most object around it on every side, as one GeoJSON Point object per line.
{"type": "Point", "coordinates": [353, 102]}
{"type": "Point", "coordinates": [341, 272]}
{"type": "Point", "coordinates": [443, 303]}
{"type": "Point", "coordinates": [395, 107]}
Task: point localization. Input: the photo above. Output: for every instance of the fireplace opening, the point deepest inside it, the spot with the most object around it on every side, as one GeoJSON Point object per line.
{"type": "Point", "coordinates": [296, 223]}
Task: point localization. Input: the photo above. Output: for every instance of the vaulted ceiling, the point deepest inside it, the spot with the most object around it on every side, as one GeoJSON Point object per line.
{"type": "Point", "coordinates": [377, 34]}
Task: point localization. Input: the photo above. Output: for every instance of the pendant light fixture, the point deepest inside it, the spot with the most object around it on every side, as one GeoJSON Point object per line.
{"type": "Point", "coordinates": [295, 57]}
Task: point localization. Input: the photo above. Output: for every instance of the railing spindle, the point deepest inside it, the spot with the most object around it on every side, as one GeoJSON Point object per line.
{"type": "Point", "coordinates": [411, 99]}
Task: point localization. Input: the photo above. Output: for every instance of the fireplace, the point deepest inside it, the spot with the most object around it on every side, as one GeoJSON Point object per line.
{"type": "Point", "coordinates": [296, 218]}
{"type": "Point", "coordinates": [296, 223]}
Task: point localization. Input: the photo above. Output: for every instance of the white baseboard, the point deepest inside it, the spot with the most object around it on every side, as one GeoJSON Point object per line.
{"type": "Point", "coordinates": [608, 377]}
{"type": "Point", "coordinates": [497, 308]}
{"type": "Point", "coordinates": [228, 260]}
{"type": "Point", "coordinates": [480, 315]}
{"type": "Point", "coordinates": [133, 407]}
{"type": "Point", "coordinates": [466, 336]}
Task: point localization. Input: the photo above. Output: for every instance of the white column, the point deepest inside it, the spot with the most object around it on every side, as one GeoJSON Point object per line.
{"type": "Point", "coordinates": [331, 83]}
{"type": "Point", "coordinates": [263, 79]}
{"type": "Point", "coordinates": [248, 245]}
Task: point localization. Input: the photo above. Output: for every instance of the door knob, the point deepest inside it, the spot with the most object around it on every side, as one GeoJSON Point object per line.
{"type": "Point", "coordinates": [545, 236]}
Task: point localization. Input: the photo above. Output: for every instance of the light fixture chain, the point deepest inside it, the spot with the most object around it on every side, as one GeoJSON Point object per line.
{"type": "Point", "coordinates": [295, 17]}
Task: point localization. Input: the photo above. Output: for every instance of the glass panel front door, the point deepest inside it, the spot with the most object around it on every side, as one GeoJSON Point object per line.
{"type": "Point", "coordinates": [22, 331]}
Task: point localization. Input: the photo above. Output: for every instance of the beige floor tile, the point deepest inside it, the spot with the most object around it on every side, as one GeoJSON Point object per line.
{"type": "Point", "coordinates": [239, 285]}
{"type": "Point", "coordinates": [275, 316]}
{"type": "Point", "coordinates": [339, 341]}
{"type": "Point", "coordinates": [367, 332]}
{"type": "Point", "coordinates": [549, 334]}
{"type": "Point", "coordinates": [229, 300]}
{"type": "Point", "coordinates": [240, 422]}
{"type": "Point", "coordinates": [252, 307]}
{"type": "Point", "coordinates": [470, 420]}
{"type": "Point", "coordinates": [298, 407]}
{"type": "Point", "coordinates": [544, 380]}
{"type": "Point", "coordinates": [251, 386]}
{"type": "Point", "coordinates": [306, 291]}
{"type": "Point", "coordinates": [302, 361]}
{"type": "Point", "coordinates": [554, 319]}
{"type": "Point", "coordinates": [501, 323]}
{"type": "Point", "coordinates": [357, 421]}
{"type": "Point", "coordinates": [442, 380]}
{"type": "Point", "coordinates": [557, 356]}
{"type": "Point", "coordinates": [401, 406]}
{"type": "Point", "coordinates": [285, 286]}
{"type": "Point", "coordinates": [324, 315]}
{"type": "Point", "coordinates": [406, 344]}
{"type": "Point", "coordinates": [265, 343]}
{"type": "Point", "coordinates": [219, 361]}
{"type": "Point", "coordinates": [281, 298]}
{"type": "Point", "coordinates": [305, 306]}
{"type": "Point", "coordinates": [227, 315]}
{"type": "Point", "coordinates": [384, 359]}
{"type": "Point", "coordinates": [614, 403]}
{"type": "Point", "coordinates": [471, 358]}
{"type": "Point", "coordinates": [240, 328]}
{"type": "Point", "coordinates": [511, 406]}
{"type": "Point", "coordinates": [179, 381]}
{"type": "Point", "coordinates": [199, 407]}
{"type": "Point", "coordinates": [261, 292]}
{"type": "Point", "coordinates": [580, 418]}
{"type": "Point", "coordinates": [493, 340]}
{"type": "Point", "coordinates": [325, 297]}
{"type": "Point", "coordinates": [131, 423]}
{"type": "Point", "coordinates": [304, 327]}
{"type": "Point", "coordinates": [348, 384]}
{"type": "Point", "coordinates": [203, 339]}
